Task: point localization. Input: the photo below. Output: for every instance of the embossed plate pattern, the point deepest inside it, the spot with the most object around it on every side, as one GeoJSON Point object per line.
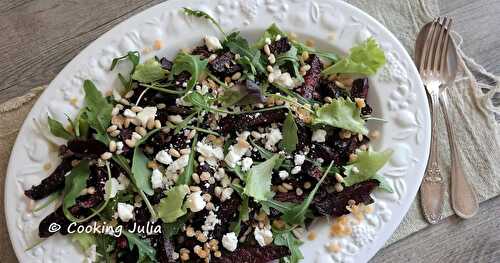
{"type": "Point", "coordinates": [396, 95]}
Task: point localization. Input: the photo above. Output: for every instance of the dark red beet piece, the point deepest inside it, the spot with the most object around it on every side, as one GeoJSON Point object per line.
{"type": "Point", "coordinates": [311, 79]}
{"type": "Point", "coordinates": [202, 51]}
{"type": "Point", "coordinates": [334, 204]}
{"type": "Point", "coordinates": [280, 46]}
{"type": "Point", "coordinates": [254, 254]}
{"type": "Point", "coordinates": [89, 149]}
{"type": "Point", "coordinates": [51, 184]}
{"type": "Point", "coordinates": [328, 88]}
{"type": "Point", "coordinates": [243, 121]}
{"type": "Point", "coordinates": [224, 65]}
{"type": "Point", "coordinates": [360, 89]}
{"type": "Point", "coordinates": [166, 64]}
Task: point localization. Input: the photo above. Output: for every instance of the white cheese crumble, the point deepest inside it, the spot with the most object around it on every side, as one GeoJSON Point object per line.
{"type": "Point", "coordinates": [283, 79]}
{"type": "Point", "coordinates": [283, 174]}
{"type": "Point", "coordinates": [195, 202]}
{"type": "Point", "coordinates": [179, 164]}
{"type": "Point", "coordinates": [210, 221]}
{"type": "Point", "coordinates": [146, 114]}
{"type": "Point", "coordinates": [212, 43]}
{"type": "Point", "coordinates": [157, 179]}
{"type": "Point", "coordinates": [296, 169]}
{"type": "Point", "coordinates": [246, 163]}
{"type": "Point", "coordinates": [125, 212]}
{"type": "Point", "coordinates": [236, 152]}
{"type": "Point", "coordinates": [129, 114]}
{"type": "Point", "coordinates": [164, 157]}
{"type": "Point", "coordinates": [299, 159]}
{"type": "Point", "coordinates": [273, 137]}
{"type": "Point", "coordinates": [263, 236]}
{"type": "Point", "coordinates": [114, 187]}
{"type": "Point", "coordinates": [212, 154]}
{"type": "Point", "coordinates": [319, 135]}
{"type": "Point", "coordinates": [230, 241]}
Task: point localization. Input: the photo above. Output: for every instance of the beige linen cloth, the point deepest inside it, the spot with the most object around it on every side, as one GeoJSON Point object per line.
{"type": "Point", "coordinates": [472, 112]}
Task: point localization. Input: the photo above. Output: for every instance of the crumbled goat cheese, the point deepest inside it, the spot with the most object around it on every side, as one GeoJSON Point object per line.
{"type": "Point", "coordinates": [246, 163]}
{"type": "Point", "coordinates": [299, 159]}
{"type": "Point", "coordinates": [129, 114]}
{"type": "Point", "coordinates": [273, 137]}
{"type": "Point", "coordinates": [212, 154]}
{"type": "Point", "coordinates": [283, 174]}
{"type": "Point", "coordinates": [263, 236]}
{"type": "Point", "coordinates": [236, 152]}
{"type": "Point", "coordinates": [157, 179]}
{"type": "Point", "coordinates": [146, 114]}
{"type": "Point", "coordinates": [212, 43]}
{"type": "Point", "coordinates": [230, 241]}
{"type": "Point", "coordinates": [179, 164]}
{"type": "Point", "coordinates": [296, 169]}
{"type": "Point", "coordinates": [283, 79]}
{"type": "Point", "coordinates": [164, 157]}
{"type": "Point", "coordinates": [125, 212]}
{"type": "Point", "coordinates": [169, 179]}
{"type": "Point", "coordinates": [114, 187]}
{"type": "Point", "coordinates": [119, 147]}
{"type": "Point", "coordinates": [195, 202]}
{"type": "Point", "coordinates": [210, 221]}
{"type": "Point", "coordinates": [319, 135]}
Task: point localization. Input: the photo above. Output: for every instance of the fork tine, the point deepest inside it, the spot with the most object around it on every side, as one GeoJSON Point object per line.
{"type": "Point", "coordinates": [444, 57]}
{"type": "Point", "coordinates": [432, 46]}
{"type": "Point", "coordinates": [427, 47]}
{"type": "Point", "coordinates": [439, 45]}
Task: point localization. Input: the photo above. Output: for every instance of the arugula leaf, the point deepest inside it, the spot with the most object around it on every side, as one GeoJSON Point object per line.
{"type": "Point", "coordinates": [325, 55]}
{"type": "Point", "coordinates": [287, 238]}
{"type": "Point", "coordinates": [297, 213]}
{"type": "Point", "coordinates": [172, 229]}
{"type": "Point", "coordinates": [242, 94]}
{"type": "Point", "coordinates": [171, 207]}
{"type": "Point", "coordinates": [149, 72]}
{"type": "Point", "coordinates": [244, 214]}
{"type": "Point", "coordinates": [258, 180]}
{"type": "Point", "coordinates": [192, 64]}
{"type": "Point", "coordinates": [366, 166]}
{"type": "Point", "coordinates": [341, 113]}
{"type": "Point", "coordinates": [146, 251]}
{"type": "Point", "coordinates": [201, 14]}
{"type": "Point", "coordinates": [239, 45]}
{"type": "Point", "coordinates": [98, 111]}
{"type": "Point", "coordinates": [185, 177]}
{"type": "Point", "coordinates": [291, 57]}
{"type": "Point", "coordinates": [290, 137]}
{"type": "Point", "coordinates": [141, 174]}
{"type": "Point", "coordinates": [74, 183]}
{"type": "Point", "coordinates": [84, 240]}
{"type": "Point", "coordinates": [58, 130]}
{"type": "Point", "coordinates": [133, 56]}
{"type": "Point", "coordinates": [82, 124]}
{"type": "Point", "coordinates": [197, 100]}
{"type": "Point", "coordinates": [271, 33]}
{"type": "Point", "coordinates": [364, 59]}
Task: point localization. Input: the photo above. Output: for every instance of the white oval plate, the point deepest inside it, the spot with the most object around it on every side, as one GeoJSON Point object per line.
{"type": "Point", "coordinates": [396, 95]}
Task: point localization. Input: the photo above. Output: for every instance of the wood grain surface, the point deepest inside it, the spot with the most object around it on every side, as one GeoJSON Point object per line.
{"type": "Point", "coordinates": [39, 37]}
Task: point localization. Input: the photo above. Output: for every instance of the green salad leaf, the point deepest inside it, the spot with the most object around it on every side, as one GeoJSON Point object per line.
{"type": "Point", "coordinates": [172, 207]}
{"type": "Point", "coordinates": [243, 215]}
{"type": "Point", "coordinates": [192, 64]}
{"type": "Point", "coordinates": [98, 111]}
{"type": "Point", "coordinates": [288, 239]}
{"type": "Point", "coordinates": [201, 14]}
{"type": "Point", "coordinates": [172, 229]}
{"type": "Point", "coordinates": [239, 45]}
{"type": "Point", "coordinates": [366, 166]}
{"type": "Point", "coordinates": [258, 180]}
{"type": "Point", "coordinates": [271, 33]}
{"type": "Point", "coordinates": [149, 72]}
{"type": "Point", "coordinates": [341, 113]}
{"type": "Point", "coordinates": [291, 57]}
{"type": "Point", "coordinates": [146, 252]}
{"type": "Point", "coordinates": [141, 174]}
{"type": "Point", "coordinates": [84, 240]}
{"type": "Point", "coordinates": [364, 59]}
{"type": "Point", "coordinates": [325, 55]}
{"type": "Point", "coordinates": [290, 137]}
{"type": "Point", "coordinates": [186, 176]}
{"type": "Point", "coordinates": [75, 182]}
{"type": "Point", "coordinates": [58, 130]}
{"type": "Point", "coordinates": [105, 246]}
{"type": "Point", "coordinates": [296, 214]}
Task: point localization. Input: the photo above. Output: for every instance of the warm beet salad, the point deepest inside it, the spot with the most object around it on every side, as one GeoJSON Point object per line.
{"type": "Point", "coordinates": [226, 153]}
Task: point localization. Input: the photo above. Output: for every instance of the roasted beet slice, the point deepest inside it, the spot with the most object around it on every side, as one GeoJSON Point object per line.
{"type": "Point", "coordinates": [166, 64]}
{"type": "Point", "coordinates": [280, 46]}
{"type": "Point", "coordinates": [46, 227]}
{"type": "Point", "coordinates": [328, 154]}
{"type": "Point", "coordinates": [254, 254]}
{"type": "Point", "coordinates": [89, 149]}
{"type": "Point", "coordinates": [202, 51]}
{"type": "Point", "coordinates": [334, 204]}
{"type": "Point", "coordinates": [224, 65]}
{"type": "Point", "coordinates": [243, 121]}
{"type": "Point", "coordinates": [227, 213]}
{"type": "Point", "coordinates": [360, 88]}
{"type": "Point", "coordinates": [308, 89]}
{"type": "Point", "coordinates": [51, 184]}
{"type": "Point", "coordinates": [328, 88]}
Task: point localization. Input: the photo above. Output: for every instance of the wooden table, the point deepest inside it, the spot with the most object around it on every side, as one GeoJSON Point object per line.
{"type": "Point", "coordinates": [38, 38]}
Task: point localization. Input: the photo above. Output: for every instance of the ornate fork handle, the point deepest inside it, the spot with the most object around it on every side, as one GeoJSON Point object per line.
{"type": "Point", "coordinates": [463, 198]}
{"type": "Point", "coordinates": [432, 189]}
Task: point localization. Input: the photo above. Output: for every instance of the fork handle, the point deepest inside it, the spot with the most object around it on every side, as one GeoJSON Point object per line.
{"type": "Point", "coordinates": [463, 199]}
{"type": "Point", "coordinates": [432, 188]}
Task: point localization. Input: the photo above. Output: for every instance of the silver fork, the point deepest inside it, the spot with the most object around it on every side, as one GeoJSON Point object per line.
{"type": "Point", "coordinates": [432, 47]}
